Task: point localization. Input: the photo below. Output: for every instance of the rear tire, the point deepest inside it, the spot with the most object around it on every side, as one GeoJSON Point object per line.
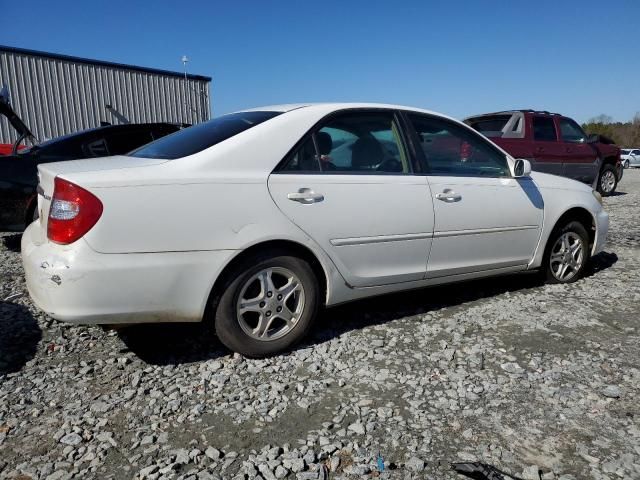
{"type": "Point", "coordinates": [267, 305]}
{"type": "Point", "coordinates": [608, 180]}
{"type": "Point", "coordinates": [566, 254]}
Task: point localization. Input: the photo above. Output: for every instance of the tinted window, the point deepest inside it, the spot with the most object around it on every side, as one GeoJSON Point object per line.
{"type": "Point", "coordinates": [636, 152]}
{"type": "Point", "coordinates": [491, 126]}
{"type": "Point", "coordinates": [97, 148]}
{"type": "Point", "coordinates": [123, 142]}
{"type": "Point", "coordinates": [571, 131]}
{"type": "Point", "coordinates": [159, 131]}
{"type": "Point", "coordinates": [450, 149]}
{"type": "Point", "coordinates": [65, 149]}
{"type": "Point", "coordinates": [204, 135]}
{"type": "Point", "coordinates": [304, 158]}
{"type": "Point", "coordinates": [354, 142]}
{"type": "Point", "coordinates": [516, 125]}
{"type": "Point", "coordinates": [544, 129]}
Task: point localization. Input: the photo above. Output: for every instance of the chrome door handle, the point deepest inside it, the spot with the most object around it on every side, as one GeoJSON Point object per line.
{"type": "Point", "coordinates": [306, 196]}
{"type": "Point", "coordinates": [449, 196]}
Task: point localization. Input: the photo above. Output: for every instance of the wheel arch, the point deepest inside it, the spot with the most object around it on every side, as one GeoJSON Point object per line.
{"type": "Point", "coordinates": [555, 218]}
{"type": "Point", "coordinates": [580, 214]}
{"type": "Point", "coordinates": [288, 247]}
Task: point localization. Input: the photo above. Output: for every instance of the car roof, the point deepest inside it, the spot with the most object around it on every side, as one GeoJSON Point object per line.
{"type": "Point", "coordinates": [335, 106]}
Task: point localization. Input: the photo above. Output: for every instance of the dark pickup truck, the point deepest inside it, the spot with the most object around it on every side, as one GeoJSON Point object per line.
{"type": "Point", "coordinates": [553, 144]}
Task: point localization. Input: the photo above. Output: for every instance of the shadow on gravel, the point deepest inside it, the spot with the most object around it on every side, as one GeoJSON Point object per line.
{"type": "Point", "coordinates": [19, 337]}
{"type": "Point", "coordinates": [172, 343]}
{"type": "Point", "coordinates": [12, 242]}
{"type": "Point", "coordinates": [179, 343]}
{"type": "Point", "coordinates": [600, 262]}
{"type": "Point", "coordinates": [378, 310]}
{"type": "Point", "coordinates": [616, 194]}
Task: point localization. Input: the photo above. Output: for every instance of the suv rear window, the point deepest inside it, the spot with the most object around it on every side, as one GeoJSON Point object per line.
{"type": "Point", "coordinates": [489, 126]}
{"type": "Point", "coordinates": [202, 136]}
{"type": "Point", "coordinates": [544, 129]}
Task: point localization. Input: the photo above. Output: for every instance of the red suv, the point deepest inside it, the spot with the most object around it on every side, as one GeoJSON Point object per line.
{"type": "Point", "coordinates": [553, 144]}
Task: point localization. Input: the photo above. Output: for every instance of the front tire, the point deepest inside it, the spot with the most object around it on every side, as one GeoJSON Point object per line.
{"type": "Point", "coordinates": [268, 304]}
{"type": "Point", "coordinates": [626, 164]}
{"type": "Point", "coordinates": [566, 254]}
{"type": "Point", "coordinates": [608, 180]}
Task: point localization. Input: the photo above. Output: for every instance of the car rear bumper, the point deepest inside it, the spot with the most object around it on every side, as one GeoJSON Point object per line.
{"type": "Point", "coordinates": [75, 284]}
{"type": "Point", "coordinates": [602, 229]}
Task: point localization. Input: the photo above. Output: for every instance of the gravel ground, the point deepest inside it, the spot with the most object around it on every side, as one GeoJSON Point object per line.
{"type": "Point", "coordinates": [539, 381]}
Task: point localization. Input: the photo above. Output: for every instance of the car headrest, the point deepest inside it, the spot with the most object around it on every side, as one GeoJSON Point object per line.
{"type": "Point", "coordinates": [325, 144]}
{"type": "Point", "coordinates": [366, 153]}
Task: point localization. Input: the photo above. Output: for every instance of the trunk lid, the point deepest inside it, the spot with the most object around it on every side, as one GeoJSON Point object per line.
{"type": "Point", "coordinates": [47, 172]}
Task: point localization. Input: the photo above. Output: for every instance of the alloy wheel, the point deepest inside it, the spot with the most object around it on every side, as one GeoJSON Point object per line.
{"type": "Point", "coordinates": [607, 181]}
{"type": "Point", "coordinates": [567, 256]}
{"type": "Point", "coordinates": [270, 303]}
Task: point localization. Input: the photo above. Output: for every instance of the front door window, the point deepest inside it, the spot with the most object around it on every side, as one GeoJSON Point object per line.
{"type": "Point", "coordinates": [453, 150]}
{"type": "Point", "coordinates": [571, 131]}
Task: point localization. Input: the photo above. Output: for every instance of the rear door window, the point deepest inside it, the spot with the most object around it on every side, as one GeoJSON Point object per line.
{"type": "Point", "coordinates": [544, 129]}
{"type": "Point", "coordinates": [97, 148]}
{"type": "Point", "coordinates": [304, 159]}
{"type": "Point", "coordinates": [352, 142]}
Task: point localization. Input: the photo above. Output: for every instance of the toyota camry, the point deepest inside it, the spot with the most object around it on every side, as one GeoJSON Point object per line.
{"type": "Point", "coordinates": [255, 220]}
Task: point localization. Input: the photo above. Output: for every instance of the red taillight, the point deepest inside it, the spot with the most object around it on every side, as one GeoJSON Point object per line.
{"type": "Point", "coordinates": [73, 212]}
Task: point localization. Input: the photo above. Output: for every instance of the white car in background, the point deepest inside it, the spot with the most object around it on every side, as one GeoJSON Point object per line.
{"type": "Point", "coordinates": [630, 157]}
{"type": "Point", "coordinates": [254, 220]}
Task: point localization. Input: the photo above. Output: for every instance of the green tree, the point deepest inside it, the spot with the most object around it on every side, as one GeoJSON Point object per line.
{"type": "Point", "coordinates": [625, 134]}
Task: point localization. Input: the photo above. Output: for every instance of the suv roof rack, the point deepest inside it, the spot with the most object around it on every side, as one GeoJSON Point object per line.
{"type": "Point", "coordinates": [514, 110]}
{"type": "Point", "coordinates": [530, 110]}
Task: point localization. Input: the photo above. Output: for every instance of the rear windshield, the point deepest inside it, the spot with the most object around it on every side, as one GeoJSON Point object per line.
{"type": "Point", "coordinates": [489, 126]}
{"type": "Point", "coordinates": [204, 135]}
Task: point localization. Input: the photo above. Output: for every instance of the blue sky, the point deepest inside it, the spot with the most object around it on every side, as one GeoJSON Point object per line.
{"type": "Point", "coordinates": [580, 58]}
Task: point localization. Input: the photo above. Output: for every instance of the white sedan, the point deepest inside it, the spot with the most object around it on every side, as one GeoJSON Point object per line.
{"type": "Point", "coordinates": [255, 220]}
{"type": "Point", "coordinates": [630, 157]}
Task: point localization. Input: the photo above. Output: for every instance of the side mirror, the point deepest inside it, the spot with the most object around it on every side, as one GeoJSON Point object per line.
{"type": "Point", "coordinates": [593, 138]}
{"type": "Point", "coordinates": [522, 168]}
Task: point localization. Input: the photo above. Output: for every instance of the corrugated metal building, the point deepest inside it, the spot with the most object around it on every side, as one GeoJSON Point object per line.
{"type": "Point", "coordinates": [59, 94]}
